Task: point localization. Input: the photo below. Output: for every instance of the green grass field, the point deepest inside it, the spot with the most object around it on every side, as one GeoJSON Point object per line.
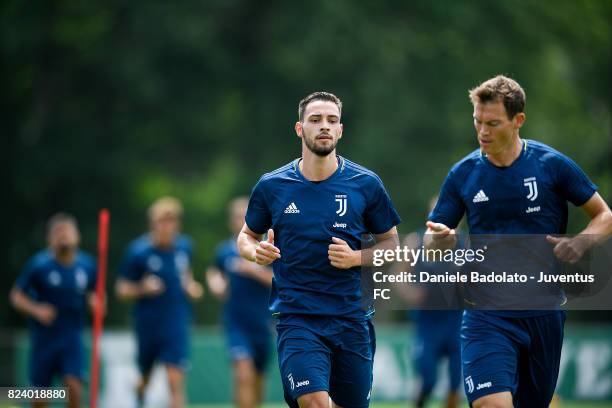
{"type": "Point", "coordinates": [564, 404]}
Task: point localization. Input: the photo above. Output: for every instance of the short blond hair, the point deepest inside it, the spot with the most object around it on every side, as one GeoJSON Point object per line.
{"type": "Point", "coordinates": [165, 206]}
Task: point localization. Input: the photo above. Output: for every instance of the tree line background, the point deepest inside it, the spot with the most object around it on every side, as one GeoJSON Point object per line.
{"type": "Point", "coordinates": [112, 104]}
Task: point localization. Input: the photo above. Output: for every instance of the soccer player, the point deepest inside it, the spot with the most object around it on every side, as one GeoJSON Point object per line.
{"type": "Point", "coordinates": [245, 288]}
{"type": "Point", "coordinates": [437, 331]}
{"type": "Point", "coordinates": [156, 273]}
{"type": "Point", "coordinates": [54, 289]}
{"type": "Point", "coordinates": [512, 185]}
{"type": "Point", "coordinates": [315, 210]}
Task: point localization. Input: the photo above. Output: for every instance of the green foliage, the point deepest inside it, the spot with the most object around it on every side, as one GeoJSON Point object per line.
{"type": "Point", "coordinates": [110, 104]}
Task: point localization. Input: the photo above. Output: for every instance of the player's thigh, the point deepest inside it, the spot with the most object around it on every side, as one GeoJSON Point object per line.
{"type": "Point", "coordinates": [147, 351]}
{"type": "Point", "coordinates": [352, 366]}
{"type": "Point", "coordinates": [454, 366]}
{"type": "Point", "coordinates": [539, 369]}
{"type": "Point", "coordinates": [489, 358]}
{"type": "Point", "coordinates": [71, 362]}
{"type": "Point", "coordinates": [44, 363]}
{"type": "Point", "coordinates": [174, 351]}
{"type": "Point", "coordinates": [254, 345]}
{"type": "Point", "coordinates": [261, 345]}
{"type": "Point", "coordinates": [497, 400]}
{"type": "Point", "coordinates": [317, 399]}
{"type": "Point", "coordinates": [304, 360]}
{"type": "Point", "coordinates": [238, 344]}
{"type": "Point", "coordinates": [426, 357]}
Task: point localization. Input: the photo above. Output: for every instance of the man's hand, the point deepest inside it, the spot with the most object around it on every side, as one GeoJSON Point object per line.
{"type": "Point", "coordinates": [194, 289]}
{"type": "Point", "coordinates": [342, 256]}
{"type": "Point", "coordinates": [266, 252]}
{"type": "Point", "coordinates": [45, 313]}
{"type": "Point", "coordinates": [92, 300]}
{"type": "Point", "coordinates": [440, 236]}
{"type": "Point", "coordinates": [151, 285]}
{"type": "Point", "coordinates": [216, 282]}
{"type": "Point", "coordinates": [569, 249]}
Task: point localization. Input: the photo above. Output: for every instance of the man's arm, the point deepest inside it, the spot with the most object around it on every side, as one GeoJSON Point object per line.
{"type": "Point", "coordinates": [597, 230]}
{"type": "Point", "coordinates": [253, 249]}
{"type": "Point", "coordinates": [342, 256]}
{"type": "Point", "coordinates": [43, 312]}
{"type": "Point", "coordinates": [128, 290]}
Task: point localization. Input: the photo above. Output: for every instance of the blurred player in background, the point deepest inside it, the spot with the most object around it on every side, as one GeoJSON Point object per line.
{"type": "Point", "coordinates": [315, 211]}
{"type": "Point", "coordinates": [245, 288]}
{"type": "Point", "coordinates": [514, 186]}
{"type": "Point", "coordinates": [54, 289]}
{"type": "Point", "coordinates": [437, 331]}
{"type": "Point", "coordinates": [156, 273]}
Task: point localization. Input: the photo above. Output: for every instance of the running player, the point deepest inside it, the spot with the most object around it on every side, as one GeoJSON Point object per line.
{"type": "Point", "coordinates": [156, 273]}
{"type": "Point", "coordinates": [513, 186]}
{"type": "Point", "coordinates": [315, 211]}
{"type": "Point", "coordinates": [53, 289]}
{"type": "Point", "coordinates": [245, 288]}
{"type": "Point", "coordinates": [437, 331]}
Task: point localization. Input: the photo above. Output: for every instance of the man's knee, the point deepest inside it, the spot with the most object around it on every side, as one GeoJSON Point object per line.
{"type": "Point", "coordinates": [497, 400]}
{"type": "Point", "coordinates": [175, 379]}
{"type": "Point", "coordinates": [319, 399]}
{"type": "Point", "coordinates": [244, 371]}
{"type": "Point", "coordinates": [75, 390]}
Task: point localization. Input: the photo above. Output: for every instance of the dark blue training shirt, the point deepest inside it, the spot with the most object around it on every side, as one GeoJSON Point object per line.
{"type": "Point", "coordinates": [247, 304]}
{"type": "Point", "coordinates": [528, 197]}
{"type": "Point", "coordinates": [65, 287]}
{"type": "Point", "coordinates": [305, 215]}
{"type": "Point", "coordinates": [169, 311]}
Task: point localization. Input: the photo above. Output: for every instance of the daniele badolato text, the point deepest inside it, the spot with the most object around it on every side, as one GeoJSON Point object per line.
{"type": "Point", "coordinates": [459, 257]}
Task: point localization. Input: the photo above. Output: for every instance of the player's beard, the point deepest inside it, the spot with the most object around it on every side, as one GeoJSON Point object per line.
{"type": "Point", "coordinates": [321, 151]}
{"type": "Point", "coordinates": [65, 249]}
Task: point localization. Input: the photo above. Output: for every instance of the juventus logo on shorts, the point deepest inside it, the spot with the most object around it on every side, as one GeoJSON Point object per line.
{"type": "Point", "coordinates": [341, 200]}
{"type": "Point", "coordinates": [290, 378]}
{"type": "Point", "coordinates": [470, 384]}
{"type": "Point", "coordinates": [531, 183]}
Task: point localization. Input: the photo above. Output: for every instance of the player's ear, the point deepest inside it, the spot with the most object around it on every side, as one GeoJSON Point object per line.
{"type": "Point", "coordinates": [341, 130]}
{"type": "Point", "coordinates": [298, 129]}
{"type": "Point", "coordinates": [519, 119]}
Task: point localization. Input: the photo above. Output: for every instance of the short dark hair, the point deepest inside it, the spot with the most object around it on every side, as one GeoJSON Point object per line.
{"type": "Point", "coordinates": [61, 218]}
{"type": "Point", "coordinates": [500, 89]}
{"type": "Point", "coordinates": [318, 96]}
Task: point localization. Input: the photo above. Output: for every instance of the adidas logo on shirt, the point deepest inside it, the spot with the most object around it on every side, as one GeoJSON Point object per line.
{"type": "Point", "coordinates": [292, 209]}
{"type": "Point", "coordinates": [480, 197]}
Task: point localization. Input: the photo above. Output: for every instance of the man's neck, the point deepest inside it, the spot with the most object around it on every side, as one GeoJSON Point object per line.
{"type": "Point", "coordinates": [317, 168]}
{"type": "Point", "coordinates": [161, 244]}
{"type": "Point", "coordinates": [507, 156]}
{"type": "Point", "coordinates": [66, 258]}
